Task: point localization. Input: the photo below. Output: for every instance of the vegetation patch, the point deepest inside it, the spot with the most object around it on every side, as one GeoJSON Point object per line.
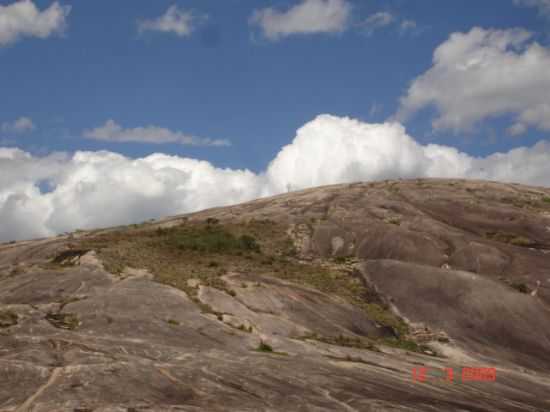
{"type": "Point", "coordinates": [264, 347]}
{"type": "Point", "coordinates": [342, 260]}
{"type": "Point", "coordinates": [8, 318]}
{"type": "Point", "coordinates": [245, 329]}
{"type": "Point", "coordinates": [263, 247]}
{"type": "Point", "coordinates": [393, 220]}
{"type": "Point", "coordinates": [371, 344]}
{"type": "Point", "coordinates": [382, 314]}
{"type": "Point", "coordinates": [211, 240]}
{"type": "Point", "coordinates": [409, 345]}
{"type": "Point", "coordinates": [510, 238]}
{"type": "Point", "coordinates": [521, 287]}
{"type": "Point", "coordinates": [394, 188]}
{"type": "Point", "coordinates": [519, 202]}
{"type": "Point", "coordinates": [341, 340]}
{"type": "Point", "coordinates": [350, 358]}
{"type": "Point", "coordinates": [522, 241]}
{"type": "Point", "coordinates": [63, 320]}
{"type": "Point", "coordinates": [69, 257]}
{"type": "Point", "coordinates": [355, 359]}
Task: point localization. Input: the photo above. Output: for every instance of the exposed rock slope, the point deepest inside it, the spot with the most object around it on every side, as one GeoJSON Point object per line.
{"type": "Point", "coordinates": [319, 300]}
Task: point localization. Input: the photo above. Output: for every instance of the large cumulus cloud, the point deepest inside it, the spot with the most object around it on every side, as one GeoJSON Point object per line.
{"type": "Point", "coordinates": [482, 74]}
{"type": "Point", "coordinates": [24, 19]}
{"type": "Point", "coordinates": [41, 196]}
{"type": "Point", "coordinates": [335, 150]}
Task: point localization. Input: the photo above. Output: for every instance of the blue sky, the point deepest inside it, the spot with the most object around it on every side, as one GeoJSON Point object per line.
{"type": "Point", "coordinates": [226, 81]}
{"type": "Point", "coordinates": [230, 82]}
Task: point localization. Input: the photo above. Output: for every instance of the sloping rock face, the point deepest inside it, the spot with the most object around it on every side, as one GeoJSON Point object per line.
{"type": "Point", "coordinates": [338, 298]}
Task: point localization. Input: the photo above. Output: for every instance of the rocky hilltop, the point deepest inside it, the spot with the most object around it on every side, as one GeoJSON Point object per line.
{"type": "Point", "coordinates": [356, 297]}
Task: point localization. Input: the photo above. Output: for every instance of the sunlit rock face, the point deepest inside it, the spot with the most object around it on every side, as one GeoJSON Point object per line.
{"type": "Point", "coordinates": [326, 299]}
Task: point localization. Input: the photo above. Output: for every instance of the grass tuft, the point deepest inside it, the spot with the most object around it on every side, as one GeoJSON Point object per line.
{"type": "Point", "coordinates": [264, 347]}
{"type": "Point", "coordinates": [393, 221]}
{"type": "Point", "coordinates": [521, 287]}
{"type": "Point", "coordinates": [510, 238]}
{"type": "Point", "coordinates": [63, 320]}
{"type": "Point", "coordinates": [8, 318]}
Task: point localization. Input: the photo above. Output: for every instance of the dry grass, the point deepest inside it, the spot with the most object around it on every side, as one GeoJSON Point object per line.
{"type": "Point", "coordinates": [341, 340]}
{"type": "Point", "coordinates": [510, 238]}
{"type": "Point", "coordinates": [207, 250]}
{"type": "Point", "coordinates": [63, 320]}
{"type": "Point", "coordinates": [8, 318]}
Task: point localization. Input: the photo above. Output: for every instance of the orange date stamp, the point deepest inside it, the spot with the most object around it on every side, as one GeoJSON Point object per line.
{"type": "Point", "coordinates": [466, 374]}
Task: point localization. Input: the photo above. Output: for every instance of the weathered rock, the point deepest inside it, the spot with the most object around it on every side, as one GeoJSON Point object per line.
{"type": "Point", "coordinates": [442, 254]}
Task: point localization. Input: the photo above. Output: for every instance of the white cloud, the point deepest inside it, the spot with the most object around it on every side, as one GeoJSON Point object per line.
{"type": "Point", "coordinates": [516, 129]}
{"type": "Point", "coordinates": [382, 19]}
{"type": "Point", "coordinates": [24, 19]}
{"type": "Point", "coordinates": [407, 26]}
{"type": "Point", "coordinates": [482, 74]}
{"type": "Point", "coordinates": [112, 131]}
{"type": "Point", "coordinates": [377, 21]}
{"type": "Point", "coordinates": [84, 184]}
{"type": "Point", "coordinates": [306, 17]}
{"type": "Point", "coordinates": [175, 20]}
{"type": "Point", "coordinates": [20, 125]}
{"type": "Point", "coordinates": [327, 150]}
{"type": "Point", "coordinates": [330, 149]}
{"type": "Point", "coordinates": [542, 5]}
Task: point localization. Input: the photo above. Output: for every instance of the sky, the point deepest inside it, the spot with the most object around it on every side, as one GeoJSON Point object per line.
{"type": "Point", "coordinates": [117, 112]}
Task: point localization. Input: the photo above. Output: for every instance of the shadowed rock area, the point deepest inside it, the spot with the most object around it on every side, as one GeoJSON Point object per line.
{"type": "Point", "coordinates": [319, 300]}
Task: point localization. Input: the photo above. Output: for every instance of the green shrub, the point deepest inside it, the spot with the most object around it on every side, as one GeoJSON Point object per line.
{"type": "Point", "coordinates": [521, 241]}
{"type": "Point", "coordinates": [249, 243]}
{"type": "Point", "coordinates": [8, 318]}
{"type": "Point", "coordinates": [393, 221]}
{"type": "Point", "coordinates": [264, 347]}
{"type": "Point", "coordinates": [212, 221]}
{"type": "Point", "coordinates": [68, 257]}
{"type": "Point", "coordinates": [213, 240]}
{"type": "Point", "coordinates": [510, 238]}
{"type": "Point", "coordinates": [63, 320]}
{"type": "Point", "coordinates": [521, 287]}
{"type": "Point", "coordinates": [340, 259]}
{"type": "Point", "coordinates": [402, 344]}
{"type": "Point", "coordinates": [245, 329]}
